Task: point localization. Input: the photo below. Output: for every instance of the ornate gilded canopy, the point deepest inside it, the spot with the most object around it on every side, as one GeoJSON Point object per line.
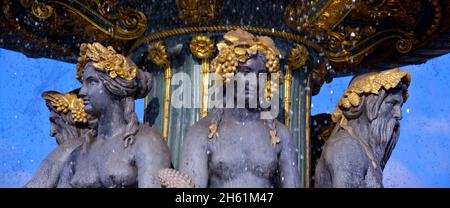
{"type": "Point", "coordinates": [352, 35]}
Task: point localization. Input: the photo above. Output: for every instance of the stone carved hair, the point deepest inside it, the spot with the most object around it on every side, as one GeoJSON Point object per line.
{"type": "Point", "coordinates": [127, 91]}
{"type": "Point", "coordinates": [121, 78]}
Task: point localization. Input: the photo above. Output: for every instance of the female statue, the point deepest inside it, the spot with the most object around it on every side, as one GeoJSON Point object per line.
{"type": "Point", "coordinates": [122, 153]}
{"type": "Point", "coordinates": [69, 125]}
{"type": "Point", "coordinates": [235, 147]}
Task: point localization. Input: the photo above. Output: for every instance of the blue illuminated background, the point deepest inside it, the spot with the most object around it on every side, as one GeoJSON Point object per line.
{"type": "Point", "coordinates": [421, 157]}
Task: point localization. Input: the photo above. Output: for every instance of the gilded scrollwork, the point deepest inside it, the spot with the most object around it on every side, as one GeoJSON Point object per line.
{"type": "Point", "coordinates": [398, 11]}
{"type": "Point", "coordinates": [41, 10]}
{"type": "Point", "coordinates": [199, 11]}
{"type": "Point", "coordinates": [122, 23]}
{"type": "Point", "coordinates": [317, 16]}
{"type": "Point", "coordinates": [59, 26]}
{"type": "Point", "coordinates": [350, 30]}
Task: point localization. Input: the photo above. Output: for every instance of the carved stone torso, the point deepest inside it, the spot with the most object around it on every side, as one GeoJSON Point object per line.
{"type": "Point", "coordinates": [242, 156]}
{"type": "Point", "coordinates": [106, 163]}
{"type": "Point", "coordinates": [344, 163]}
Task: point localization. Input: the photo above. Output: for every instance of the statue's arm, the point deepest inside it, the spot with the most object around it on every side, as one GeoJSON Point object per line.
{"type": "Point", "coordinates": [46, 175]}
{"type": "Point", "coordinates": [68, 169]}
{"type": "Point", "coordinates": [194, 157]}
{"type": "Point", "coordinates": [152, 155]}
{"type": "Point", "coordinates": [348, 165]}
{"type": "Point", "coordinates": [49, 171]}
{"type": "Point", "coordinates": [288, 165]}
{"type": "Point", "coordinates": [64, 178]}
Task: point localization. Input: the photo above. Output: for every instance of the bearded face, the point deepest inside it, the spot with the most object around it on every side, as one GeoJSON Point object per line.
{"type": "Point", "coordinates": [385, 127]}
{"type": "Point", "coordinates": [62, 129]}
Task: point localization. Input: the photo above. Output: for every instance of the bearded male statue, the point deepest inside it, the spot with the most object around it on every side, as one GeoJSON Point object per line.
{"type": "Point", "coordinates": [70, 125]}
{"type": "Point", "coordinates": [366, 131]}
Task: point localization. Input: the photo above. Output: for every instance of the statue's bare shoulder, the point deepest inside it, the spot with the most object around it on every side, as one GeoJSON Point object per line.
{"type": "Point", "coordinates": [148, 139]}
{"type": "Point", "coordinates": [199, 131]}
{"type": "Point", "coordinates": [343, 149]}
{"type": "Point", "coordinates": [283, 132]}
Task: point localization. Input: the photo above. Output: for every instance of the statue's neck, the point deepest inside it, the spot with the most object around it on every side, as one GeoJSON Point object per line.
{"type": "Point", "coordinates": [242, 114]}
{"type": "Point", "coordinates": [111, 122]}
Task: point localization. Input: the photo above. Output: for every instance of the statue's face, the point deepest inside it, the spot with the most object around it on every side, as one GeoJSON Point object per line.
{"type": "Point", "coordinates": [390, 114]}
{"type": "Point", "coordinates": [94, 94]}
{"type": "Point", "coordinates": [56, 126]}
{"type": "Point", "coordinates": [253, 67]}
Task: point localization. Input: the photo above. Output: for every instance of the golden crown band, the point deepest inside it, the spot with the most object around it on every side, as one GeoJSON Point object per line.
{"type": "Point", "coordinates": [105, 59]}
{"type": "Point", "coordinates": [64, 103]}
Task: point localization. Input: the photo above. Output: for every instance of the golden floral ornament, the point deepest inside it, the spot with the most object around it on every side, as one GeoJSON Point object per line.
{"type": "Point", "coordinates": [202, 46]}
{"type": "Point", "coordinates": [105, 59]}
{"type": "Point", "coordinates": [158, 54]}
{"type": "Point", "coordinates": [370, 84]}
{"type": "Point", "coordinates": [65, 103]}
{"type": "Point", "coordinates": [239, 45]}
{"type": "Point", "coordinates": [298, 56]}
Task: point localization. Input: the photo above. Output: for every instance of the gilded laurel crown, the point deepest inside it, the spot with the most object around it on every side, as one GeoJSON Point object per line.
{"type": "Point", "coordinates": [65, 103]}
{"type": "Point", "coordinates": [238, 46]}
{"type": "Point", "coordinates": [371, 84]}
{"type": "Point", "coordinates": [105, 59]}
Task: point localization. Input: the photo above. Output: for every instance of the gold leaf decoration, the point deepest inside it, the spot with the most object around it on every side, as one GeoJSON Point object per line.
{"type": "Point", "coordinates": [65, 103]}
{"type": "Point", "coordinates": [370, 84]}
{"type": "Point", "coordinates": [202, 46]}
{"type": "Point", "coordinates": [105, 59]}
